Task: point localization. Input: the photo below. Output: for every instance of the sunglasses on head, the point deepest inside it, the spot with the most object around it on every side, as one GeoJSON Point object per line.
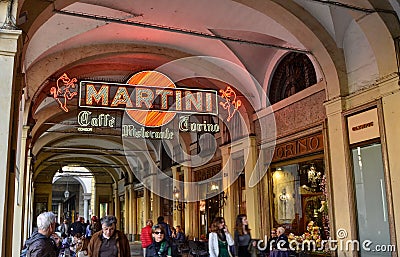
{"type": "Point", "coordinates": [159, 232]}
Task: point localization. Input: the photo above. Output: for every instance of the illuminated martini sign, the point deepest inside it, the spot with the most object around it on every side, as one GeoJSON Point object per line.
{"type": "Point", "coordinates": [149, 98]}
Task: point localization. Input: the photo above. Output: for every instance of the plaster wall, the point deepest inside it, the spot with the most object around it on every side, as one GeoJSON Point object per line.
{"type": "Point", "coordinates": [342, 185]}
{"type": "Point", "coordinates": [391, 113]}
{"type": "Point", "coordinates": [3, 12]}
{"type": "Point", "coordinates": [361, 63]}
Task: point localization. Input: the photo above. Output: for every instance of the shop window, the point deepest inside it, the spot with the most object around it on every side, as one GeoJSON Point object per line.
{"type": "Point", "coordinates": [294, 73]}
{"type": "Point", "coordinates": [300, 199]}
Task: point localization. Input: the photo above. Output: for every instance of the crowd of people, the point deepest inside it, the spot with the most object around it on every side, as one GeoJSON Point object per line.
{"type": "Point", "coordinates": [76, 237]}
{"type": "Point", "coordinates": [160, 240]}
{"type": "Point", "coordinates": [100, 238]}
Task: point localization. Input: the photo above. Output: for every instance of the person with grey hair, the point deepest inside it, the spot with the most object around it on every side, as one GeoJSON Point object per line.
{"type": "Point", "coordinates": [109, 242]}
{"type": "Point", "coordinates": [282, 244]}
{"type": "Point", "coordinates": [43, 243]}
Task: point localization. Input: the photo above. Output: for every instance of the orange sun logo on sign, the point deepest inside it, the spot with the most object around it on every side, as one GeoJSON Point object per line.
{"type": "Point", "coordinates": [231, 103]}
{"type": "Point", "coordinates": [151, 118]}
{"type": "Point", "coordinates": [63, 90]}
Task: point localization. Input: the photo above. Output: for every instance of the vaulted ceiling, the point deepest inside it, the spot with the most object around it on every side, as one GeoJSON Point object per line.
{"type": "Point", "coordinates": [111, 40]}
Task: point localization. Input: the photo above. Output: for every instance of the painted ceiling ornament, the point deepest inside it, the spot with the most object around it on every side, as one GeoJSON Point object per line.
{"type": "Point", "coordinates": [63, 90]}
{"type": "Point", "coordinates": [231, 103]}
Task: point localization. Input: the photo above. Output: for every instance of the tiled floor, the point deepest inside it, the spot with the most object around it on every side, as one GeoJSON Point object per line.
{"type": "Point", "coordinates": [136, 249]}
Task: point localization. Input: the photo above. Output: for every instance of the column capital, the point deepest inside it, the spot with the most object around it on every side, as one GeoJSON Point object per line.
{"type": "Point", "coordinates": [87, 196]}
{"type": "Point", "coordinates": [25, 131]}
{"type": "Point", "coordinates": [8, 41]}
{"type": "Point", "coordinates": [335, 106]}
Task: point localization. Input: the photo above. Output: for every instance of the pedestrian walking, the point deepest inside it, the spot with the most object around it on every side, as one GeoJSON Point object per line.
{"type": "Point", "coordinates": [219, 239]}
{"type": "Point", "coordinates": [44, 242]}
{"type": "Point", "coordinates": [109, 241]}
{"type": "Point", "coordinates": [146, 236]}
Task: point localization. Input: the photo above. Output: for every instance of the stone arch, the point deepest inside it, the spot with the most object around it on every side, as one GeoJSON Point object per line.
{"type": "Point", "coordinates": [329, 56]}
{"type": "Point", "coordinates": [40, 71]}
{"type": "Point", "coordinates": [86, 188]}
{"type": "Point", "coordinates": [312, 35]}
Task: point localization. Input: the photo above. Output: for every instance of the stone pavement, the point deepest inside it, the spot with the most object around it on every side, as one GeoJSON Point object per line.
{"type": "Point", "coordinates": [136, 249]}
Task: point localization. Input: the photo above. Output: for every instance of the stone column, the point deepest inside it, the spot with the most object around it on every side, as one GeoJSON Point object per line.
{"type": "Point", "coordinates": [252, 193]}
{"type": "Point", "coordinates": [176, 214]}
{"type": "Point", "coordinates": [116, 206]}
{"type": "Point", "coordinates": [391, 114]}
{"type": "Point", "coordinates": [133, 208]}
{"type": "Point", "coordinates": [86, 200]}
{"type": "Point", "coordinates": [191, 209]}
{"type": "Point", "coordinates": [8, 49]}
{"type": "Point", "coordinates": [342, 212]}
{"type": "Point", "coordinates": [28, 192]}
{"type": "Point", "coordinates": [229, 208]}
{"type": "Point", "coordinates": [153, 201]}
{"type": "Point", "coordinates": [59, 211]}
{"type": "Point", "coordinates": [127, 213]}
{"type": "Point", "coordinates": [20, 188]}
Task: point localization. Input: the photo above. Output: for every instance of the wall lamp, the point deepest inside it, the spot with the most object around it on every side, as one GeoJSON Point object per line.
{"type": "Point", "coordinates": [179, 206]}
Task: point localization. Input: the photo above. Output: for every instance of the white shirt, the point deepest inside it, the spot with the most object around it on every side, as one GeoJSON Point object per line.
{"type": "Point", "coordinates": [213, 243]}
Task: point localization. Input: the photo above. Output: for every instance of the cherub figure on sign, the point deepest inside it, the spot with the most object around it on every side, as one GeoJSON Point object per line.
{"type": "Point", "coordinates": [231, 104]}
{"type": "Point", "coordinates": [63, 90]}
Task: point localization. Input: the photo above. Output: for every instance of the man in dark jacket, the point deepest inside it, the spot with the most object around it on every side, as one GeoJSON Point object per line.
{"type": "Point", "coordinates": [160, 221]}
{"type": "Point", "coordinates": [41, 244]}
{"type": "Point", "coordinates": [109, 241]}
{"type": "Point", "coordinates": [77, 227]}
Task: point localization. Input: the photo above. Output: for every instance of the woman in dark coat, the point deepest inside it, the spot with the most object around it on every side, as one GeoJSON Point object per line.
{"type": "Point", "coordinates": [160, 246]}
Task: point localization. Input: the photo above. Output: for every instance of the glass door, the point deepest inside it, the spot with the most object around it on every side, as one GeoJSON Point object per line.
{"type": "Point", "coordinates": [370, 191]}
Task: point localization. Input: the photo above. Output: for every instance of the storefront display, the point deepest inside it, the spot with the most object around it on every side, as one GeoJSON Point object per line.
{"type": "Point", "coordinates": [299, 201]}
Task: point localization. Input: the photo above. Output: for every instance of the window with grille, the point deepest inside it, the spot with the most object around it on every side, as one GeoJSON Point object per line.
{"type": "Point", "coordinates": [294, 73]}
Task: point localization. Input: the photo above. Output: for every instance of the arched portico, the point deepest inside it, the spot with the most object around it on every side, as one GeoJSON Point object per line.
{"type": "Point", "coordinates": [350, 43]}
